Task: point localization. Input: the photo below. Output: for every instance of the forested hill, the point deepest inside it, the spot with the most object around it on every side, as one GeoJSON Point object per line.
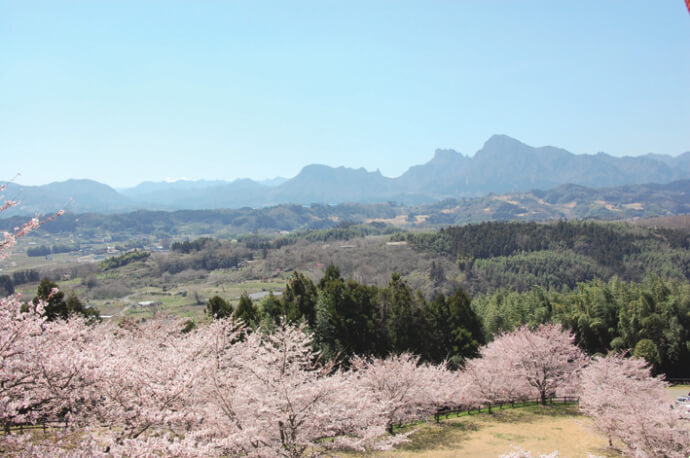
{"type": "Point", "coordinates": [520, 255]}
{"type": "Point", "coordinates": [565, 202]}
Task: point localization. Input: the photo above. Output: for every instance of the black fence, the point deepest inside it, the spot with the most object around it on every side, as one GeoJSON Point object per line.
{"type": "Point", "coordinates": [445, 412]}
{"type": "Point", "coordinates": [44, 426]}
{"type": "Point", "coordinates": [487, 407]}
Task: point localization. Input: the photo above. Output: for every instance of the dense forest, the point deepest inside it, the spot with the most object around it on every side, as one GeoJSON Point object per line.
{"type": "Point", "coordinates": [349, 318]}
{"type": "Point", "coordinates": [616, 286]}
{"type": "Point", "coordinates": [651, 318]}
{"type": "Point", "coordinates": [519, 255]}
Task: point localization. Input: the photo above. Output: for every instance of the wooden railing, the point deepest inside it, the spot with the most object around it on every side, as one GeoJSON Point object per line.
{"type": "Point", "coordinates": [44, 425]}
{"type": "Point", "coordinates": [487, 407]}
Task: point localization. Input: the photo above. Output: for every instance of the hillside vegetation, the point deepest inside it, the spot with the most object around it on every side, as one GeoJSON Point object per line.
{"type": "Point", "coordinates": [520, 255]}
{"type": "Point", "coordinates": [615, 285]}
{"type": "Point", "coordinates": [563, 202]}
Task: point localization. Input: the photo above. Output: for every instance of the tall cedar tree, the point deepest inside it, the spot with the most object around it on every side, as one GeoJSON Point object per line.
{"type": "Point", "coordinates": [217, 307]}
{"type": "Point", "coordinates": [299, 298]}
{"type": "Point", "coordinates": [397, 314]}
{"type": "Point", "coordinates": [245, 310]}
{"type": "Point", "coordinates": [347, 318]}
{"type": "Point", "coordinates": [453, 331]}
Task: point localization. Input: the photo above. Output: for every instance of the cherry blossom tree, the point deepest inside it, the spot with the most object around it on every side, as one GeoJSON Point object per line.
{"type": "Point", "coordinates": [267, 394]}
{"type": "Point", "coordinates": [148, 388]}
{"type": "Point", "coordinates": [404, 389]}
{"type": "Point", "coordinates": [17, 373]}
{"type": "Point", "coordinates": [493, 378]}
{"type": "Point", "coordinates": [546, 358]}
{"type": "Point", "coordinates": [64, 362]}
{"type": "Point", "coordinates": [628, 404]}
{"type": "Point", "coordinates": [146, 377]}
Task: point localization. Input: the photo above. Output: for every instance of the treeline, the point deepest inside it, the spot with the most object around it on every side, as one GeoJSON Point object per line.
{"type": "Point", "coordinates": [20, 277]}
{"type": "Point", "coordinates": [652, 318]}
{"type": "Point", "coordinates": [518, 255]}
{"type": "Point", "coordinates": [204, 253]}
{"type": "Point", "coordinates": [211, 254]}
{"type": "Point", "coordinates": [342, 232]}
{"type": "Point", "coordinates": [124, 259]}
{"type": "Point", "coordinates": [187, 246]}
{"type": "Point", "coordinates": [287, 217]}
{"type": "Point", "coordinates": [348, 318]}
{"type": "Point", "coordinates": [608, 244]}
{"type": "Point", "coordinates": [45, 250]}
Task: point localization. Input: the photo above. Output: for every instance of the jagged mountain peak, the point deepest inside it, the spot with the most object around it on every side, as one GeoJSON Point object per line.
{"type": "Point", "coordinates": [503, 164]}
{"type": "Point", "coordinates": [446, 155]}
{"type": "Point", "coordinates": [312, 170]}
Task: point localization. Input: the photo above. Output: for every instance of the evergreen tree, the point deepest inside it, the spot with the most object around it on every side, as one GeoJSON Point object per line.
{"type": "Point", "coordinates": [299, 299]}
{"type": "Point", "coordinates": [76, 307]}
{"type": "Point", "coordinates": [56, 307]}
{"type": "Point", "coordinates": [217, 307]}
{"type": "Point", "coordinates": [397, 314]}
{"type": "Point", "coordinates": [245, 310]}
{"type": "Point", "coordinates": [271, 310]}
{"type": "Point", "coordinates": [454, 331]}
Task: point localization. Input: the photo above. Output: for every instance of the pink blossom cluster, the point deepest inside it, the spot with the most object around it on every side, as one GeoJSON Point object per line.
{"type": "Point", "coordinates": [525, 364]}
{"type": "Point", "coordinates": [141, 389]}
{"type": "Point", "coordinates": [630, 406]}
{"type": "Point", "coordinates": [9, 239]}
{"type": "Point", "coordinates": [145, 388]}
{"type": "Point", "coordinates": [150, 389]}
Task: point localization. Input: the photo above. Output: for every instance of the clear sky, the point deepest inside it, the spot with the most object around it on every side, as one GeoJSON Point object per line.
{"type": "Point", "coordinates": [127, 91]}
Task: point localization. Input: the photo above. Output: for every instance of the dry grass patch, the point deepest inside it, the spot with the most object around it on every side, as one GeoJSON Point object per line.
{"type": "Point", "coordinates": [677, 390]}
{"type": "Point", "coordinates": [537, 429]}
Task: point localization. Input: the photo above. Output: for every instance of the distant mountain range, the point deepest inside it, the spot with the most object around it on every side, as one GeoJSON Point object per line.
{"type": "Point", "coordinates": [563, 202]}
{"type": "Point", "coordinates": [502, 165]}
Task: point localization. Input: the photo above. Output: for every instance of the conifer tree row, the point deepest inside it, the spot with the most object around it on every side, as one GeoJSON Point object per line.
{"type": "Point", "coordinates": [348, 318]}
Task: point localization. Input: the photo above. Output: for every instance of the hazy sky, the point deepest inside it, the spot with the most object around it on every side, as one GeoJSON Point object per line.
{"type": "Point", "coordinates": [127, 91]}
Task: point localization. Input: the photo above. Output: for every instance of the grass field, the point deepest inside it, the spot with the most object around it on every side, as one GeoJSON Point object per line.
{"type": "Point", "coordinates": [678, 390]}
{"type": "Point", "coordinates": [535, 428]}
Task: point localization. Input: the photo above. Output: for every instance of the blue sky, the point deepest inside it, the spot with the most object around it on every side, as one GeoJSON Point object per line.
{"type": "Point", "coordinates": [127, 91]}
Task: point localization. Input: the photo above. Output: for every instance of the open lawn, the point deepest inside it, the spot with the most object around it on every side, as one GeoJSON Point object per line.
{"type": "Point", "coordinates": [677, 390]}
{"type": "Point", "coordinates": [535, 428]}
